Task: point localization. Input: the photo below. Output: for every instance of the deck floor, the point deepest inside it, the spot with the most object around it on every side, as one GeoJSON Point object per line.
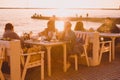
{"type": "Point", "coordinates": [104, 71]}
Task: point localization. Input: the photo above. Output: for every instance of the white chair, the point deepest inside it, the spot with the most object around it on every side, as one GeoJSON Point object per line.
{"type": "Point", "coordinates": [85, 42]}
{"type": "Point", "coordinates": [2, 57]}
{"type": "Point", "coordinates": [105, 47]}
{"type": "Point", "coordinates": [29, 60]}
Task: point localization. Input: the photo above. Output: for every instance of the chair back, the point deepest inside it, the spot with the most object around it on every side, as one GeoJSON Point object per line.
{"type": "Point", "coordinates": [92, 40]}
{"type": "Point", "coordinates": [82, 37]}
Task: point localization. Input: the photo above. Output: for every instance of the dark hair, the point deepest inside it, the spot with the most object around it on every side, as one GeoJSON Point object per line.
{"type": "Point", "coordinates": [8, 26]}
{"type": "Point", "coordinates": [68, 24]}
{"type": "Point", "coordinates": [50, 22]}
{"type": "Point", "coordinates": [51, 25]}
{"type": "Point", "coordinates": [108, 18]}
{"type": "Point", "coordinates": [79, 26]}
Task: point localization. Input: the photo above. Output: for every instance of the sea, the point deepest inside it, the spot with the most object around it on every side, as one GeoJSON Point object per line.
{"type": "Point", "coordinates": [22, 21]}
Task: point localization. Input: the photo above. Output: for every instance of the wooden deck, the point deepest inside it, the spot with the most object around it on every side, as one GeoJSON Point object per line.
{"type": "Point", "coordinates": [104, 71]}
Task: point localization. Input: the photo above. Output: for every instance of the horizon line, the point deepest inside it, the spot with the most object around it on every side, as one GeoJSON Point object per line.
{"type": "Point", "coordinates": [57, 8]}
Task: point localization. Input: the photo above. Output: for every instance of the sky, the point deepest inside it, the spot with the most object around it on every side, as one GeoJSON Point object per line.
{"type": "Point", "coordinates": [60, 3]}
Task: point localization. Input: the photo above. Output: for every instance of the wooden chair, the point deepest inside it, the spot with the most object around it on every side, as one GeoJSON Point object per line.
{"type": "Point", "coordinates": [105, 47]}
{"type": "Point", "coordinates": [84, 40]}
{"type": "Point", "coordinates": [2, 57]}
{"type": "Point", "coordinates": [29, 60]}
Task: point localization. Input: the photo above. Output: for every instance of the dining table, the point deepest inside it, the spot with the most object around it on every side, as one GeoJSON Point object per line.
{"type": "Point", "coordinates": [48, 45]}
{"type": "Point", "coordinates": [112, 36]}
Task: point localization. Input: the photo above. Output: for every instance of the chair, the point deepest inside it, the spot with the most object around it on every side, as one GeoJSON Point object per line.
{"type": "Point", "coordinates": [83, 37]}
{"type": "Point", "coordinates": [29, 60]}
{"type": "Point", "coordinates": [105, 47]}
{"type": "Point", "coordinates": [2, 57]}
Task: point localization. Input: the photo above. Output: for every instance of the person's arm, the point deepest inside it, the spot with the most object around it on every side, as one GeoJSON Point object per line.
{"type": "Point", "coordinates": [100, 29]}
{"type": "Point", "coordinates": [115, 29]}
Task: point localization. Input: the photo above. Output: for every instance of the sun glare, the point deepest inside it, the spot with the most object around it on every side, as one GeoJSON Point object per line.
{"type": "Point", "coordinates": [59, 25]}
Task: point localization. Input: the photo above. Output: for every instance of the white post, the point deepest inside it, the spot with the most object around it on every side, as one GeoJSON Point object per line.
{"type": "Point", "coordinates": [95, 40]}
{"type": "Point", "coordinates": [13, 51]}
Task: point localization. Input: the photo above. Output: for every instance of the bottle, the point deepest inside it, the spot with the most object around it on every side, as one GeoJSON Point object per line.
{"type": "Point", "coordinates": [54, 36]}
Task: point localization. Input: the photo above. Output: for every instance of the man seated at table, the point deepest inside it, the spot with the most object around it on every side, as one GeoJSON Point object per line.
{"type": "Point", "coordinates": [10, 34]}
{"type": "Point", "coordinates": [109, 27]}
{"type": "Point", "coordinates": [49, 31]}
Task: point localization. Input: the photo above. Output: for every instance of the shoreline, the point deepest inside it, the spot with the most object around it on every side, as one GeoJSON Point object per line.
{"type": "Point", "coordinates": [90, 19]}
{"type": "Point", "coordinates": [93, 19]}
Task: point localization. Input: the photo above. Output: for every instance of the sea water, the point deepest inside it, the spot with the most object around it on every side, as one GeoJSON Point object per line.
{"type": "Point", "coordinates": [22, 21]}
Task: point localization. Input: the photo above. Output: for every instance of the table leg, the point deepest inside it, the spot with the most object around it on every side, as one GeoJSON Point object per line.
{"type": "Point", "coordinates": [113, 48]}
{"type": "Point", "coordinates": [49, 59]}
{"type": "Point", "coordinates": [65, 58]}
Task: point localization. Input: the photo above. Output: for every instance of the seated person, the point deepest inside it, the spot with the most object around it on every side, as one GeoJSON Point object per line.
{"type": "Point", "coordinates": [72, 46]}
{"type": "Point", "coordinates": [69, 35]}
{"type": "Point", "coordinates": [79, 26]}
{"type": "Point", "coordinates": [108, 27]}
{"type": "Point", "coordinates": [10, 34]}
{"type": "Point", "coordinates": [49, 31]}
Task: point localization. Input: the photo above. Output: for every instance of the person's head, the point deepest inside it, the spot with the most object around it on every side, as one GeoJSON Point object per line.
{"type": "Point", "coordinates": [79, 26]}
{"type": "Point", "coordinates": [51, 25]}
{"type": "Point", "coordinates": [108, 21]}
{"type": "Point", "coordinates": [67, 26]}
{"type": "Point", "coordinates": [9, 26]}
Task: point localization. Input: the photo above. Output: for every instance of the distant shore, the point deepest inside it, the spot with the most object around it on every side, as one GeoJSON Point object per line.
{"type": "Point", "coordinates": [93, 19]}
{"type": "Point", "coordinates": [90, 19]}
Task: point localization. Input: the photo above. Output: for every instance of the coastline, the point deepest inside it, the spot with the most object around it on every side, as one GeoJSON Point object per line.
{"type": "Point", "coordinates": [93, 19]}
{"type": "Point", "coordinates": [90, 19]}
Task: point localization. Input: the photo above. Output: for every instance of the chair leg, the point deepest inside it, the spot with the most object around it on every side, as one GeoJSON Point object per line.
{"type": "Point", "coordinates": [76, 62]}
{"type": "Point", "coordinates": [110, 56]}
{"type": "Point", "coordinates": [100, 57]}
{"type": "Point", "coordinates": [24, 73]}
{"type": "Point", "coordinates": [1, 76]}
{"type": "Point", "coordinates": [42, 70]}
{"type": "Point", "coordinates": [86, 57]}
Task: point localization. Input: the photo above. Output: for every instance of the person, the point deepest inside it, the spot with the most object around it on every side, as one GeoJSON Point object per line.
{"type": "Point", "coordinates": [69, 35]}
{"type": "Point", "coordinates": [72, 46]}
{"type": "Point", "coordinates": [10, 34]}
{"type": "Point", "coordinates": [108, 27]}
{"type": "Point", "coordinates": [79, 26]}
{"type": "Point", "coordinates": [49, 31]}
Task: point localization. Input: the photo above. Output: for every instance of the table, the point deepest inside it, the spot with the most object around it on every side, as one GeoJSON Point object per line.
{"type": "Point", "coordinates": [13, 49]}
{"type": "Point", "coordinates": [113, 36]}
{"type": "Point", "coordinates": [48, 46]}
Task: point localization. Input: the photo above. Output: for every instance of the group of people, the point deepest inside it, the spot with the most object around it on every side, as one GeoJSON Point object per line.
{"type": "Point", "coordinates": [67, 35]}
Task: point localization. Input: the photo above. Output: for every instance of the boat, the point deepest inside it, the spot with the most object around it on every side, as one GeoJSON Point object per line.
{"type": "Point", "coordinates": [56, 18]}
